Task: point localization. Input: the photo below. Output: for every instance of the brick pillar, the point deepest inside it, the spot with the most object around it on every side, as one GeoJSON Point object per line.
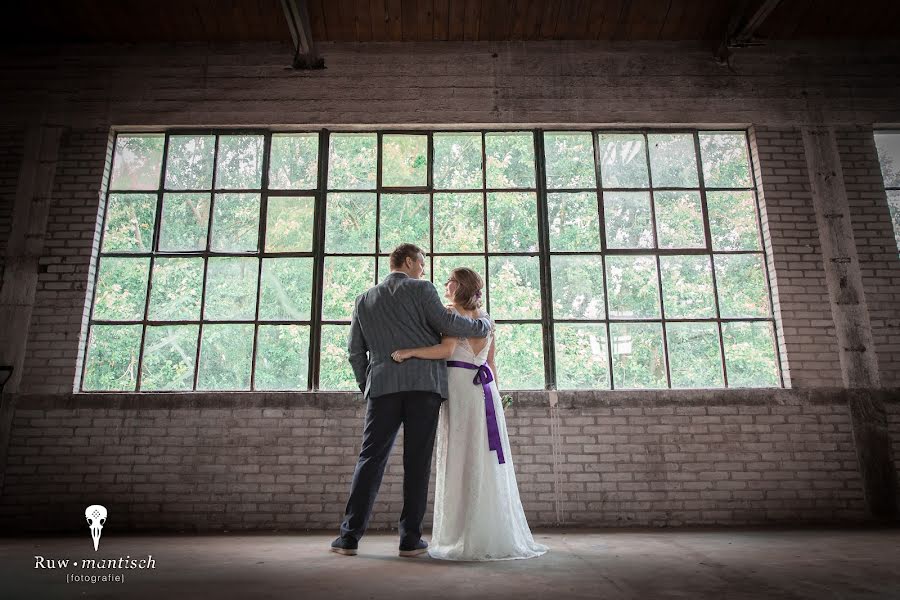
{"type": "Point", "coordinates": [859, 363]}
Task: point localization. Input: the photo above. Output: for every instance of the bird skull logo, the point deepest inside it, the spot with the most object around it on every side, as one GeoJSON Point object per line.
{"type": "Point", "coordinates": [96, 518]}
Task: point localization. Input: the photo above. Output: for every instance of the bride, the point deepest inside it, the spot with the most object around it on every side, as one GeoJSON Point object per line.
{"type": "Point", "coordinates": [477, 511]}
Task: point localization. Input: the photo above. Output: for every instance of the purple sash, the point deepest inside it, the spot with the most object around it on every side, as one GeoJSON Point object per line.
{"type": "Point", "coordinates": [485, 377]}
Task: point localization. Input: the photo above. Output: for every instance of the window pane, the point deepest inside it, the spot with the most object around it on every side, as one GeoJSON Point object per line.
{"type": "Point", "coordinates": [520, 356]}
{"type": "Point", "coordinates": [177, 285]}
{"type": "Point", "coordinates": [189, 165]}
{"type": "Point", "coordinates": [169, 355]}
{"type": "Point", "coordinates": [335, 373]}
{"type": "Point", "coordinates": [235, 225]}
{"type": "Point", "coordinates": [732, 220]}
{"type": "Point", "coordinates": [294, 161]}
{"type": "Point", "coordinates": [512, 222]}
{"type": "Point", "coordinates": [750, 354]}
{"type": "Point", "coordinates": [444, 265]}
{"type": "Point", "coordinates": [137, 162]}
{"type": "Point", "coordinates": [888, 144]}
{"type": "Point", "coordinates": [282, 357]}
{"type": "Point", "coordinates": [694, 358]}
{"type": "Point", "coordinates": [404, 160]}
{"type": "Point", "coordinates": [623, 163]}
{"type": "Point", "coordinates": [289, 224]}
{"type": "Point", "coordinates": [239, 162]}
{"type": "Point", "coordinates": [724, 156]}
{"type": "Point", "coordinates": [185, 219]}
{"type": "Point", "coordinates": [577, 287]}
{"type": "Point", "coordinates": [741, 280]}
{"type": "Point", "coordinates": [231, 288]}
{"type": "Point", "coordinates": [687, 286]}
{"type": "Point", "coordinates": [459, 222]}
{"type": "Point", "coordinates": [515, 287]}
{"type": "Point", "coordinates": [679, 220]}
{"type": "Point", "coordinates": [225, 357]}
{"type": "Point", "coordinates": [130, 219]}
{"type": "Point", "coordinates": [893, 198]}
{"type": "Point", "coordinates": [286, 289]}
{"type": "Point", "coordinates": [345, 279]}
{"type": "Point", "coordinates": [632, 286]}
{"type": "Point", "coordinates": [350, 225]}
{"type": "Point", "coordinates": [457, 161]}
{"type": "Point", "coordinates": [569, 160]}
{"type": "Point", "coordinates": [673, 161]}
{"type": "Point", "coordinates": [121, 288]}
{"type": "Point", "coordinates": [384, 268]}
{"type": "Point", "coordinates": [582, 356]}
{"type": "Point", "coordinates": [112, 357]}
{"type": "Point", "coordinates": [628, 220]}
{"type": "Point", "coordinates": [510, 160]}
{"type": "Point", "coordinates": [404, 219]}
{"type": "Point", "coordinates": [352, 161]}
{"type": "Point", "coordinates": [637, 355]}
{"type": "Point", "coordinates": [574, 222]}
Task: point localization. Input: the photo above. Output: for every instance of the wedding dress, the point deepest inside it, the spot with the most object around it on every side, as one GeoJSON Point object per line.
{"type": "Point", "coordinates": [477, 511]}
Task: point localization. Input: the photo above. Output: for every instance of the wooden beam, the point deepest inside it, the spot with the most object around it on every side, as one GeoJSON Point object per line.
{"type": "Point", "coordinates": [742, 29]}
{"type": "Point", "coordinates": [297, 14]}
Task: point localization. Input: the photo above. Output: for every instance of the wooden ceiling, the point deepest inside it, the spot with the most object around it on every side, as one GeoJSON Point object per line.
{"type": "Point", "coordinates": [50, 21]}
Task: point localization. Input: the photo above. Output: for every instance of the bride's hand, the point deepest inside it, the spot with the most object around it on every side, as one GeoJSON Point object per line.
{"type": "Point", "coordinates": [401, 355]}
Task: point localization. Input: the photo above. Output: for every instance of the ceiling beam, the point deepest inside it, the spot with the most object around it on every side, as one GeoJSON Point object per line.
{"type": "Point", "coordinates": [742, 27]}
{"type": "Point", "coordinates": [297, 14]}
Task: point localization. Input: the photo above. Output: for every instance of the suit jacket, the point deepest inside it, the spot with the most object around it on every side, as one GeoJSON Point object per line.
{"type": "Point", "coordinates": [403, 312]}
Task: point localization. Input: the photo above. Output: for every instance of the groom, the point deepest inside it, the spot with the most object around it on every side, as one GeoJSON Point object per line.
{"type": "Point", "coordinates": [402, 311]}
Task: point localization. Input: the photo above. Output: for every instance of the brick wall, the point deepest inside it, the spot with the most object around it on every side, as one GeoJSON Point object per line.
{"type": "Point", "coordinates": [875, 245]}
{"type": "Point", "coordinates": [12, 145]}
{"type": "Point", "coordinates": [275, 461]}
{"type": "Point", "coordinates": [808, 346]}
{"type": "Point", "coordinates": [893, 418]}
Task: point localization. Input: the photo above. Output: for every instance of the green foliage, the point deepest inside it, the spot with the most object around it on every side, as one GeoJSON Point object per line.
{"type": "Point", "coordinates": [130, 219]}
{"type": "Point", "coordinates": [235, 226]}
{"type": "Point", "coordinates": [138, 162]}
{"type": "Point", "coordinates": [169, 355]}
{"type": "Point", "coordinates": [741, 281]}
{"type": "Point", "coordinates": [623, 160]}
{"type": "Point", "coordinates": [569, 160]}
{"type": "Point", "coordinates": [189, 165]}
{"type": "Point", "coordinates": [732, 220]}
{"type": "Point", "coordinates": [185, 221]}
{"type": "Point", "coordinates": [510, 160]}
{"type": "Point", "coordinates": [289, 223]}
{"type": "Point", "coordinates": [239, 162]}
{"type": "Point", "coordinates": [632, 286]}
{"type": "Point", "coordinates": [724, 158]}
{"type": "Point", "coordinates": [679, 219]}
{"type": "Point", "coordinates": [574, 222]}
{"type": "Point", "coordinates": [582, 356]}
{"type": "Point", "coordinates": [294, 161]}
{"type": "Point", "coordinates": [687, 286]}
{"type": "Point", "coordinates": [404, 161]}
{"type": "Point", "coordinates": [177, 285]}
{"type": "Point", "coordinates": [580, 287]}
{"type": "Point", "coordinates": [694, 356]}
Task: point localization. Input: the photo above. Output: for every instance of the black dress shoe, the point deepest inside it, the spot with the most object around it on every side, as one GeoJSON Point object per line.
{"type": "Point", "coordinates": [345, 545]}
{"type": "Point", "coordinates": [420, 547]}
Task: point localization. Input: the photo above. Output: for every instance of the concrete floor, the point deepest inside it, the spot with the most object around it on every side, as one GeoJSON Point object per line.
{"type": "Point", "coordinates": [609, 564]}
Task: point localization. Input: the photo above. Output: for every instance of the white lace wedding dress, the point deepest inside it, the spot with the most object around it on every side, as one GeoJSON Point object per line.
{"type": "Point", "coordinates": [477, 511]}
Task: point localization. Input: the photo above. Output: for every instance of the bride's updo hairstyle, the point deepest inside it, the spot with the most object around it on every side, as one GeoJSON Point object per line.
{"type": "Point", "coordinates": [468, 288]}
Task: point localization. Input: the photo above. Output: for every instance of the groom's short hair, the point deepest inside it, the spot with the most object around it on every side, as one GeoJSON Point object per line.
{"type": "Point", "coordinates": [402, 252]}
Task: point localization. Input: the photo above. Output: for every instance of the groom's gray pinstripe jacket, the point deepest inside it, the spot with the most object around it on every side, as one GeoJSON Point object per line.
{"type": "Point", "coordinates": [403, 312]}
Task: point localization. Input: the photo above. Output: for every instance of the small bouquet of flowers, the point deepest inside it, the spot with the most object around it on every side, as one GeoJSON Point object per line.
{"type": "Point", "coordinates": [506, 400]}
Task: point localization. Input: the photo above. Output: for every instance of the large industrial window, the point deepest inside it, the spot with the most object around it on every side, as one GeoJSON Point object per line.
{"type": "Point", "coordinates": [888, 143]}
{"type": "Point", "coordinates": [230, 260]}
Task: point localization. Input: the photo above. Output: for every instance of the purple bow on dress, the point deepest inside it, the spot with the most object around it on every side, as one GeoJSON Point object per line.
{"type": "Point", "coordinates": [485, 377]}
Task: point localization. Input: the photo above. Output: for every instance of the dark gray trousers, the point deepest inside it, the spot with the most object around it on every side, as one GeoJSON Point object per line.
{"type": "Point", "coordinates": [418, 413]}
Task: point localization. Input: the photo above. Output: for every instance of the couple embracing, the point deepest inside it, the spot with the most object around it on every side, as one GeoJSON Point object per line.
{"type": "Point", "coordinates": [431, 368]}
